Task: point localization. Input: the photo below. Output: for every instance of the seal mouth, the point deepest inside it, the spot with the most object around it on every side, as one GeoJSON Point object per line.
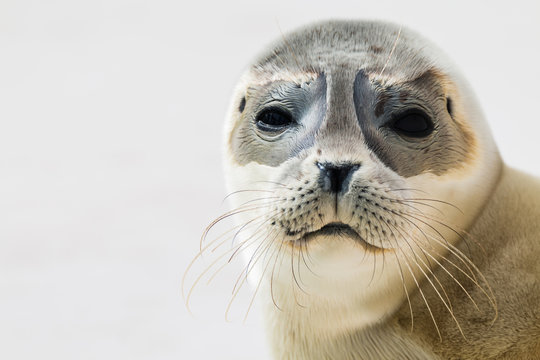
{"type": "Point", "coordinates": [337, 229]}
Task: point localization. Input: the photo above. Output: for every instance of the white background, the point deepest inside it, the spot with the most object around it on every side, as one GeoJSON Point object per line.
{"type": "Point", "coordinates": [110, 129]}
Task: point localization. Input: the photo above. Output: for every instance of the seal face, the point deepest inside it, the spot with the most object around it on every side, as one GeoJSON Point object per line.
{"type": "Point", "coordinates": [357, 155]}
{"type": "Point", "coordinates": [362, 137]}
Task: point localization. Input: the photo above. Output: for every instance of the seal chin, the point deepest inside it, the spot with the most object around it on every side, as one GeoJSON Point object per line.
{"type": "Point", "coordinates": [336, 229]}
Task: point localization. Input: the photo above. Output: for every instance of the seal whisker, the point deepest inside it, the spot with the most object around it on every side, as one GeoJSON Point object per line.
{"type": "Point", "coordinates": [458, 233]}
{"type": "Point", "coordinates": [428, 278]}
{"type": "Point", "coordinates": [407, 202]}
{"type": "Point", "coordinates": [288, 46]}
{"type": "Point", "coordinates": [198, 279]}
{"type": "Point", "coordinates": [405, 238]}
{"type": "Point", "coordinates": [228, 214]}
{"type": "Point", "coordinates": [270, 182]}
{"type": "Point", "coordinates": [259, 284]}
{"type": "Point", "coordinates": [272, 278]}
{"type": "Point", "coordinates": [471, 275]}
{"type": "Point", "coordinates": [446, 303]}
{"type": "Point", "coordinates": [422, 295]}
{"type": "Point", "coordinates": [257, 221]}
{"type": "Point", "coordinates": [455, 279]}
{"type": "Point", "coordinates": [262, 242]}
{"type": "Point", "coordinates": [225, 216]}
{"type": "Point", "coordinates": [430, 267]}
{"type": "Point", "coordinates": [244, 279]}
{"type": "Point", "coordinates": [234, 249]}
{"type": "Point", "coordinates": [298, 258]}
{"type": "Point", "coordinates": [404, 283]}
{"type": "Point", "coordinates": [295, 281]}
{"type": "Point", "coordinates": [267, 218]}
{"type": "Point", "coordinates": [305, 250]}
{"type": "Point", "coordinates": [463, 234]}
{"type": "Point", "coordinates": [245, 191]}
{"type": "Point", "coordinates": [391, 51]}
{"type": "Point", "coordinates": [437, 201]}
{"type": "Point", "coordinates": [199, 254]}
{"type": "Point", "coordinates": [263, 199]}
{"type": "Point", "coordinates": [239, 249]}
{"type": "Point", "coordinates": [415, 217]}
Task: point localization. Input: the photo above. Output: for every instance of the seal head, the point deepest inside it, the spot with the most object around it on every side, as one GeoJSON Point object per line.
{"type": "Point", "coordinates": [368, 156]}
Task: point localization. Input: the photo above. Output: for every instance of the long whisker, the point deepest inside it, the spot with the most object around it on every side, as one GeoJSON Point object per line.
{"type": "Point", "coordinates": [428, 265]}
{"type": "Point", "coordinates": [288, 46]}
{"type": "Point", "coordinates": [199, 254]}
{"type": "Point", "coordinates": [259, 284]}
{"type": "Point", "coordinates": [459, 234]}
{"type": "Point", "coordinates": [306, 252]}
{"type": "Point", "coordinates": [403, 282]}
{"type": "Point", "coordinates": [391, 52]}
{"type": "Point", "coordinates": [238, 249]}
{"type": "Point", "coordinates": [267, 216]}
{"type": "Point", "coordinates": [225, 216]}
{"type": "Point", "coordinates": [198, 279]}
{"type": "Point", "coordinates": [437, 201]}
{"type": "Point", "coordinates": [442, 300]}
{"type": "Point", "coordinates": [422, 294]}
{"type": "Point", "coordinates": [244, 279]}
{"type": "Point", "coordinates": [455, 280]}
{"type": "Point", "coordinates": [393, 235]}
{"type": "Point", "coordinates": [270, 182]}
{"type": "Point", "coordinates": [292, 269]}
{"type": "Point", "coordinates": [467, 262]}
{"type": "Point", "coordinates": [272, 278]}
{"type": "Point", "coordinates": [234, 249]}
{"type": "Point", "coordinates": [407, 202]}
{"type": "Point", "coordinates": [244, 191]}
{"type": "Point", "coordinates": [266, 236]}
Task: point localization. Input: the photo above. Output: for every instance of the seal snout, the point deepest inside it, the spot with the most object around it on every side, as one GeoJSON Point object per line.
{"type": "Point", "coordinates": [335, 178]}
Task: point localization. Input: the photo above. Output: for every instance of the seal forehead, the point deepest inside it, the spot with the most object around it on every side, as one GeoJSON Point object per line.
{"type": "Point", "coordinates": [338, 45]}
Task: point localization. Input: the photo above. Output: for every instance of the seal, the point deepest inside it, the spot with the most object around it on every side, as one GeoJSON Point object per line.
{"type": "Point", "coordinates": [377, 217]}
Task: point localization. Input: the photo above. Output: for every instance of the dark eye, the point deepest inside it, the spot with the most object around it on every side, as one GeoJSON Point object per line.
{"type": "Point", "coordinates": [414, 124]}
{"type": "Point", "coordinates": [273, 120]}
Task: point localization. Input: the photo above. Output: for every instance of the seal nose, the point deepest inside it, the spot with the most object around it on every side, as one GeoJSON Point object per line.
{"type": "Point", "coordinates": [335, 177]}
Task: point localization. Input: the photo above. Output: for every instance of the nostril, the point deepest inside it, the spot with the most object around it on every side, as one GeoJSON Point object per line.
{"type": "Point", "coordinates": [335, 177]}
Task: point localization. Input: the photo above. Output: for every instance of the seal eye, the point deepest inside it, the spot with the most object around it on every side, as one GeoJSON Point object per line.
{"type": "Point", "coordinates": [414, 125]}
{"type": "Point", "coordinates": [273, 120]}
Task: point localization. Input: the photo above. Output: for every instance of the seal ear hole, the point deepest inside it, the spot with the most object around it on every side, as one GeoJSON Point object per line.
{"type": "Point", "coordinates": [242, 105]}
{"type": "Point", "coordinates": [450, 106]}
